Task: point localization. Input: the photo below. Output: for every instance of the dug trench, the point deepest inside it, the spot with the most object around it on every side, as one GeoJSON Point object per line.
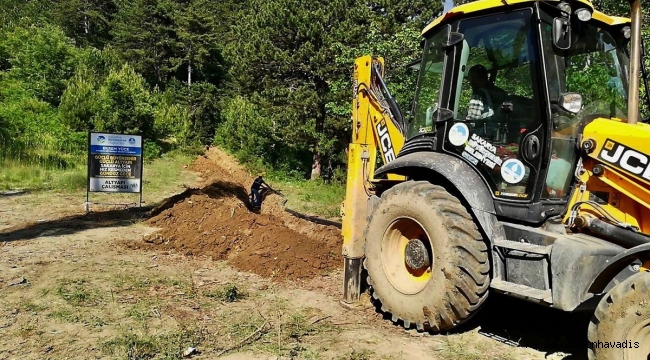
{"type": "Point", "coordinates": [216, 220]}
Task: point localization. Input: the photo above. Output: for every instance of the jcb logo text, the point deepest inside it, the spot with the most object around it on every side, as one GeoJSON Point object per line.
{"type": "Point", "coordinates": [626, 158]}
{"type": "Point", "coordinates": [386, 142]}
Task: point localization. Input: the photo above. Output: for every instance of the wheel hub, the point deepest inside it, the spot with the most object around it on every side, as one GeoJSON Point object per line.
{"type": "Point", "coordinates": [416, 255]}
{"type": "Point", "coordinates": [407, 255]}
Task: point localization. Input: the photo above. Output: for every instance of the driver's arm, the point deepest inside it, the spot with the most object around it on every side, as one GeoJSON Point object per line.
{"type": "Point", "coordinates": [475, 109]}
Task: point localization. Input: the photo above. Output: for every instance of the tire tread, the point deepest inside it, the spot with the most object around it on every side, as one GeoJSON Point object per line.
{"type": "Point", "coordinates": [471, 261]}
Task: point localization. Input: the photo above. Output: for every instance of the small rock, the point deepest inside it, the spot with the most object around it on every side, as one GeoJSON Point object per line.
{"type": "Point", "coordinates": [189, 351]}
{"type": "Point", "coordinates": [18, 281]}
{"type": "Point", "coordinates": [263, 287]}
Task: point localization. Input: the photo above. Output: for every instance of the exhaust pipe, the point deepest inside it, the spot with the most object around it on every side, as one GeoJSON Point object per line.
{"type": "Point", "coordinates": [635, 63]}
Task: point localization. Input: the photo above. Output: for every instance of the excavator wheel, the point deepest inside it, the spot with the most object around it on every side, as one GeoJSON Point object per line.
{"type": "Point", "coordinates": [620, 327]}
{"type": "Point", "coordinates": [427, 263]}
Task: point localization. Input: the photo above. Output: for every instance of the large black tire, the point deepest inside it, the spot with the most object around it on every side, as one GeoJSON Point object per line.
{"type": "Point", "coordinates": [455, 284]}
{"type": "Point", "coordinates": [622, 318]}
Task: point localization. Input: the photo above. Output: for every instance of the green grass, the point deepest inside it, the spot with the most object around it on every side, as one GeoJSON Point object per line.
{"type": "Point", "coordinates": [160, 175]}
{"type": "Point", "coordinates": [66, 315]}
{"type": "Point", "coordinates": [311, 197]}
{"type": "Point", "coordinates": [77, 292]}
{"type": "Point", "coordinates": [34, 176]}
{"type": "Point", "coordinates": [228, 293]}
{"type": "Point", "coordinates": [167, 345]}
{"type": "Point", "coordinates": [30, 306]}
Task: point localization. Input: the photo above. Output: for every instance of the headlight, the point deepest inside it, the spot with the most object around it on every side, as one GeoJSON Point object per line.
{"type": "Point", "coordinates": [583, 14]}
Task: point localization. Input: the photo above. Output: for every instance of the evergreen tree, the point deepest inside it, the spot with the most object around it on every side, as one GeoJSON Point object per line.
{"type": "Point", "coordinates": [142, 31]}
{"type": "Point", "coordinates": [86, 21]}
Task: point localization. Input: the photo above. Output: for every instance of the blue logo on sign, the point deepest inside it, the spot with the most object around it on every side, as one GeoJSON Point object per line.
{"type": "Point", "coordinates": [513, 171]}
{"type": "Point", "coordinates": [458, 134]}
{"type": "Point", "coordinates": [131, 141]}
{"type": "Point", "coordinates": [101, 139]}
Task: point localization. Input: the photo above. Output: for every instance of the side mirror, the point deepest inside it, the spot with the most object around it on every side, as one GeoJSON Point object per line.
{"type": "Point", "coordinates": [562, 33]}
{"type": "Point", "coordinates": [571, 102]}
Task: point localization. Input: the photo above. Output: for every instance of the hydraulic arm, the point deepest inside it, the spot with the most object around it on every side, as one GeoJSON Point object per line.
{"type": "Point", "coordinates": [377, 129]}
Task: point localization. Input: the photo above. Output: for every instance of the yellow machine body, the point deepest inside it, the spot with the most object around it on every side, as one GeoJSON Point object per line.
{"type": "Point", "coordinates": [373, 135]}
{"type": "Point", "coordinates": [616, 174]}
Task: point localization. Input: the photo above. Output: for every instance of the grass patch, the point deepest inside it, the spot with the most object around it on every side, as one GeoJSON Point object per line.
{"type": "Point", "coordinates": [160, 175]}
{"type": "Point", "coordinates": [29, 306]}
{"type": "Point", "coordinates": [77, 292]}
{"type": "Point", "coordinates": [278, 331]}
{"type": "Point", "coordinates": [143, 311]}
{"type": "Point", "coordinates": [66, 315]}
{"type": "Point", "coordinates": [311, 197]}
{"type": "Point", "coordinates": [129, 282]}
{"type": "Point", "coordinates": [163, 174]}
{"type": "Point", "coordinates": [229, 293]}
{"type": "Point", "coordinates": [17, 175]}
{"type": "Point", "coordinates": [459, 348]}
{"type": "Point", "coordinates": [170, 345]}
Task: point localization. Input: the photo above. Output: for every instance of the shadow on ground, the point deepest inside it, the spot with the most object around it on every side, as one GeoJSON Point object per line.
{"type": "Point", "coordinates": [523, 324]}
{"type": "Point", "coordinates": [526, 325]}
{"type": "Point", "coordinates": [117, 218]}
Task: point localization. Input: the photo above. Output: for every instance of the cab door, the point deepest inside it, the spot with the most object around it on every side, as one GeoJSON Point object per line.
{"type": "Point", "coordinates": [506, 143]}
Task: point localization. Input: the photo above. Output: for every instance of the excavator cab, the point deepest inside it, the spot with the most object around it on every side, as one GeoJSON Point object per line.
{"type": "Point", "coordinates": [522, 169]}
{"type": "Point", "coordinates": [520, 119]}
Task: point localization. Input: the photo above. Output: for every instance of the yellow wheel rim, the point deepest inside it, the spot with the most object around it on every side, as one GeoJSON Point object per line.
{"type": "Point", "coordinates": [393, 256]}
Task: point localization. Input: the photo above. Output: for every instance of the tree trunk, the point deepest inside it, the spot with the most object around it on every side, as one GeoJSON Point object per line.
{"type": "Point", "coordinates": [189, 74]}
{"type": "Point", "coordinates": [86, 22]}
{"type": "Point", "coordinates": [321, 89]}
{"type": "Point", "coordinates": [316, 166]}
{"type": "Point", "coordinates": [189, 68]}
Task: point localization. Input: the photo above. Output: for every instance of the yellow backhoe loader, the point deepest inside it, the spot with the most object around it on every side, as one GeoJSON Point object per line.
{"type": "Point", "coordinates": [522, 168]}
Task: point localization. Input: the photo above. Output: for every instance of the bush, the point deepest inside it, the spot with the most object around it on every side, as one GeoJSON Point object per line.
{"type": "Point", "coordinates": [125, 104]}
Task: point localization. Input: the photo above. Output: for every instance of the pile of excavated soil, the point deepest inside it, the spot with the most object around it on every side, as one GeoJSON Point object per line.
{"type": "Point", "coordinates": [215, 220]}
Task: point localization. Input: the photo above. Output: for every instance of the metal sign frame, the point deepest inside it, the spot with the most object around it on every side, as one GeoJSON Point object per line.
{"type": "Point", "coordinates": [126, 150]}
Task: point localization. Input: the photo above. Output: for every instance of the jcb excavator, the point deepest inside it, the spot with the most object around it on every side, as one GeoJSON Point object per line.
{"type": "Point", "coordinates": [523, 168]}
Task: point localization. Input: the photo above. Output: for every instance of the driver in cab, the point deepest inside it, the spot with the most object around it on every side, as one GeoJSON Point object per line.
{"type": "Point", "coordinates": [480, 105]}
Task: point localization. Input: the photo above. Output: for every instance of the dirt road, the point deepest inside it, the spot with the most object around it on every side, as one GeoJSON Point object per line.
{"type": "Point", "coordinates": [201, 274]}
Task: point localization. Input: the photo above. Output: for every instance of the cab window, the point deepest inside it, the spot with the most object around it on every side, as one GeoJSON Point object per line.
{"type": "Point", "coordinates": [495, 100]}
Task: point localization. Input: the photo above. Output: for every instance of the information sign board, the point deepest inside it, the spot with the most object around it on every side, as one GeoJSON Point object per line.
{"type": "Point", "coordinates": [114, 163]}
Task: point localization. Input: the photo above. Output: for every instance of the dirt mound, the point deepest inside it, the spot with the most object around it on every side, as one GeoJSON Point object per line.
{"type": "Point", "coordinates": [215, 220]}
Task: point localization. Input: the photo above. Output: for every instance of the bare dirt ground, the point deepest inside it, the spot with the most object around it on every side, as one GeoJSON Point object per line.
{"type": "Point", "coordinates": [201, 274]}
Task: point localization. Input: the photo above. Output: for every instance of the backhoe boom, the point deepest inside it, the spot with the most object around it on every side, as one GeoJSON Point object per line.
{"type": "Point", "coordinates": [377, 128]}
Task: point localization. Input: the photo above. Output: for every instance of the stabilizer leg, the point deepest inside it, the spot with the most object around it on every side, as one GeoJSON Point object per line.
{"type": "Point", "coordinates": [351, 282]}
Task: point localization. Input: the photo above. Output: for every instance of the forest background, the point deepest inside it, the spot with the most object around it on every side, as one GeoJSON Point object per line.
{"type": "Point", "coordinates": [269, 81]}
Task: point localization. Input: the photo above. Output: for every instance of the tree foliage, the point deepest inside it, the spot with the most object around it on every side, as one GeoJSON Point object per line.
{"type": "Point", "coordinates": [268, 79]}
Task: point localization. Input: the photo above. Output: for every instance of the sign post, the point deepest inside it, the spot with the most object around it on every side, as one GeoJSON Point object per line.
{"type": "Point", "coordinates": [114, 164]}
